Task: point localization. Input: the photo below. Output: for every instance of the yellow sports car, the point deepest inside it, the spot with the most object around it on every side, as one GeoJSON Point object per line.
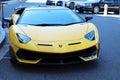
{"type": "Point", "coordinates": [53, 36]}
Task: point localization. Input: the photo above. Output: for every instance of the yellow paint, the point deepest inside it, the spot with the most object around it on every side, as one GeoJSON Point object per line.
{"type": "Point", "coordinates": [55, 36]}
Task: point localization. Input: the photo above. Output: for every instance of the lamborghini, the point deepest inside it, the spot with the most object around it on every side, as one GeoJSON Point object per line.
{"type": "Point", "coordinates": [53, 36]}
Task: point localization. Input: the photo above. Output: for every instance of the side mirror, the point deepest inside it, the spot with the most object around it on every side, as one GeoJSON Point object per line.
{"type": "Point", "coordinates": [15, 17]}
{"type": "Point", "coordinates": [87, 18]}
{"type": "Point", "coordinates": [7, 21]}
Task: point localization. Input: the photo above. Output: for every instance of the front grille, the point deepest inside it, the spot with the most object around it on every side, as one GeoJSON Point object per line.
{"type": "Point", "coordinates": [64, 61]}
{"type": "Point", "coordinates": [30, 55]}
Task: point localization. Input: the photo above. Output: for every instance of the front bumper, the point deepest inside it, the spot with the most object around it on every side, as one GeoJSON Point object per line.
{"type": "Point", "coordinates": [30, 57]}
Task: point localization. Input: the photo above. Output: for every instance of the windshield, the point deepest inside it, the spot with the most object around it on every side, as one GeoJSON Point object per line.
{"type": "Point", "coordinates": [49, 17]}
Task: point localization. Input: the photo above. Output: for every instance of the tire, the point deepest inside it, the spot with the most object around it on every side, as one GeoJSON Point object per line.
{"type": "Point", "coordinates": [96, 9]}
{"type": "Point", "coordinates": [14, 61]}
{"type": "Point", "coordinates": [13, 58]}
{"type": "Point", "coordinates": [71, 5]}
{"type": "Point", "coordinates": [59, 3]}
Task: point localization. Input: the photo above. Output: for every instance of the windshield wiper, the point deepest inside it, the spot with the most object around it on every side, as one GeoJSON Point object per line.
{"type": "Point", "coordinates": [42, 24]}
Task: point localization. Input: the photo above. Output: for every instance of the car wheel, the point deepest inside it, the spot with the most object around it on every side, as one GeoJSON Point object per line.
{"type": "Point", "coordinates": [13, 59]}
{"type": "Point", "coordinates": [71, 5]}
{"type": "Point", "coordinates": [96, 9]}
{"type": "Point", "coordinates": [59, 3]}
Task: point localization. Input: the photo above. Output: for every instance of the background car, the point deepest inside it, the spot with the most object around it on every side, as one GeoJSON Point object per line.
{"type": "Point", "coordinates": [68, 3]}
{"type": "Point", "coordinates": [97, 6]}
{"type": "Point", "coordinates": [52, 35]}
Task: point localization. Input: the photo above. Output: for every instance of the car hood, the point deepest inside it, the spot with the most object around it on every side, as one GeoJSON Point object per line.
{"type": "Point", "coordinates": [54, 33]}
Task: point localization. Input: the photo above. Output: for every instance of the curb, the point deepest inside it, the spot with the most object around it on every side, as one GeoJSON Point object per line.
{"type": "Point", "coordinates": [2, 36]}
{"type": "Point", "coordinates": [4, 45]}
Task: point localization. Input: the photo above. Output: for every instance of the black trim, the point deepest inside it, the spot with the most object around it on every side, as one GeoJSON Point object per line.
{"type": "Point", "coordinates": [70, 44]}
{"type": "Point", "coordinates": [55, 59]}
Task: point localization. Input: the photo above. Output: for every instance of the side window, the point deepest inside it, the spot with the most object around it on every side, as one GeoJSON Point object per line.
{"type": "Point", "coordinates": [108, 1]}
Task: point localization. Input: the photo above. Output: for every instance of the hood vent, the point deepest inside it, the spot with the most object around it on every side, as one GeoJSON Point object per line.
{"type": "Point", "coordinates": [70, 44]}
{"type": "Point", "coordinates": [45, 44]}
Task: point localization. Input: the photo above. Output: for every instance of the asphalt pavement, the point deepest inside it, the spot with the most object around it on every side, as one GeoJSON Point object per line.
{"type": "Point", "coordinates": [105, 68]}
{"type": "Point", "coordinates": [2, 35]}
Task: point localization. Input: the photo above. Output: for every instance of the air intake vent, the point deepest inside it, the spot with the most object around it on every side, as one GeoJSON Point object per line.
{"type": "Point", "coordinates": [70, 44]}
{"type": "Point", "coordinates": [45, 44]}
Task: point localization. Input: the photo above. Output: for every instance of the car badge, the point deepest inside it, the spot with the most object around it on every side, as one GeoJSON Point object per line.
{"type": "Point", "coordinates": [60, 46]}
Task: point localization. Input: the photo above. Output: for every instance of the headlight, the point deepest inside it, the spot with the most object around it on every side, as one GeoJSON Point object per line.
{"type": "Point", "coordinates": [22, 38]}
{"type": "Point", "coordinates": [90, 36]}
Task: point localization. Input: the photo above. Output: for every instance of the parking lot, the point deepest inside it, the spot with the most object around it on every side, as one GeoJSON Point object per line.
{"type": "Point", "coordinates": [106, 67]}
